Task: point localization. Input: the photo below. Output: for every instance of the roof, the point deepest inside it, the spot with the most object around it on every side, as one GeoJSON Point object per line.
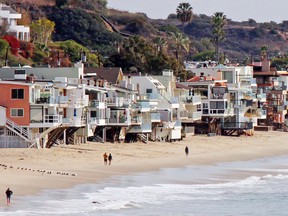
{"type": "Point", "coordinates": [265, 73]}
{"type": "Point", "coordinates": [178, 85]}
{"type": "Point", "coordinates": [199, 78]}
{"type": "Point", "coordinates": [112, 75]}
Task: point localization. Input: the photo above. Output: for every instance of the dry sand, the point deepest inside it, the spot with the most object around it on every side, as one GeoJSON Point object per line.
{"type": "Point", "coordinates": [24, 172]}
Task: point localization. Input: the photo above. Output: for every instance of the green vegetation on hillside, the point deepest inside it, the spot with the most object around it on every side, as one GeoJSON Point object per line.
{"type": "Point", "coordinates": [80, 24]}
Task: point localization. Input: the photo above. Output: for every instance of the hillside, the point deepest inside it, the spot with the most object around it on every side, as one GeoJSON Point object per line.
{"type": "Point", "coordinates": [83, 22]}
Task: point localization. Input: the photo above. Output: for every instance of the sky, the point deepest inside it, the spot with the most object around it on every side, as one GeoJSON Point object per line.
{"type": "Point", "coordinates": [237, 10]}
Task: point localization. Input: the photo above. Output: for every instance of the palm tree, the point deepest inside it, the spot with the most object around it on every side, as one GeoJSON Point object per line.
{"type": "Point", "coordinates": [184, 13]}
{"type": "Point", "coordinates": [264, 49]}
{"type": "Point", "coordinates": [159, 43]}
{"type": "Point", "coordinates": [180, 43]}
{"type": "Point", "coordinates": [219, 21]}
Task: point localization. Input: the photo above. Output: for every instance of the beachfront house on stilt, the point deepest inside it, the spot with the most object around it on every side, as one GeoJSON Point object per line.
{"type": "Point", "coordinates": [162, 101]}
{"type": "Point", "coordinates": [190, 108]}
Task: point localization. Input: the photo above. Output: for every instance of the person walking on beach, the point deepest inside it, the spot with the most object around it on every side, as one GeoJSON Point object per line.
{"type": "Point", "coordinates": [8, 195]}
{"type": "Point", "coordinates": [105, 157]}
{"type": "Point", "coordinates": [186, 151]}
{"type": "Point", "coordinates": [110, 158]}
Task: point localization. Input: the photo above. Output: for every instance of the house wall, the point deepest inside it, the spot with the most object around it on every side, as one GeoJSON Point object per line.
{"type": "Point", "coordinates": [238, 73]}
{"type": "Point", "coordinates": [6, 101]}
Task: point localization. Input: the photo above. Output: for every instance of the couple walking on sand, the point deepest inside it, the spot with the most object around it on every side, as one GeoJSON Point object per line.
{"type": "Point", "coordinates": [107, 158]}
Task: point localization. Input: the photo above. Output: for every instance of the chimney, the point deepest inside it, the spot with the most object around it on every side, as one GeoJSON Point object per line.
{"type": "Point", "coordinates": [219, 75]}
{"type": "Point", "coordinates": [265, 65]}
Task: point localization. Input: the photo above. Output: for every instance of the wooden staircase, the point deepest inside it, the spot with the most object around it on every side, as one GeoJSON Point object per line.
{"type": "Point", "coordinates": [20, 131]}
{"type": "Point", "coordinates": [142, 138]}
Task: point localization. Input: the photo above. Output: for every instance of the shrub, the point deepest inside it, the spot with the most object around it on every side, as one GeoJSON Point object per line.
{"type": "Point", "coordinates": [13, 43]}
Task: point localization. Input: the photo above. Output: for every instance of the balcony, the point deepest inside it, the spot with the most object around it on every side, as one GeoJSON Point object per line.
{"type": "Point", "coordinates": [119, 117]}
{"type": "Point", "coordinates": [97, 104]}
{"type": "Point", "coordinates": [118, 121]}
{"type": "Point", "coordinates": [190, 116]}
{"type": "Point", "coordinates": [195, 116]}
{"type": "Point", "coordinates": [62, 99]}
{"type": "Point", "coordinates": [97, 121]}
{"type": "Point", "coordinates": [115, 102]}
{"type": "Point", "coordinates": [142, 106]}
{"type": "Point", "coordinates": [219, 96]}
{"type": "Point", "coordinates": [47, 120]}
{"type": "Point", "coordinates": [191, 100]}
{"type": "Point", "coordinates": [43, 100]}
{"type": "Point", "coordinates": [74, 121]}
{"type": "Point", "coordinates": [248, 81]}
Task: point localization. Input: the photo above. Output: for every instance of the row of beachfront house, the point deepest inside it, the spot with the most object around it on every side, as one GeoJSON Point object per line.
{"type": "Point", "coordinates": [42, 107]}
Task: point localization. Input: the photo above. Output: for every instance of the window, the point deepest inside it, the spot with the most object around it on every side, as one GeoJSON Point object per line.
{"type": "Point", "coordinates": [17, 112]}
{"type": "Point", "coordinates": [228, 75]}
{"type": "Point", "coordinates": [19, 72]}
{"type": "Point", "coordinates": [148, 91]}
{"type": "Point", "coordinates": [205, 105]}
{"type": "Point", "coordinates": [93, 114]}
{"type": "Point", "coordinates": [17, 94]}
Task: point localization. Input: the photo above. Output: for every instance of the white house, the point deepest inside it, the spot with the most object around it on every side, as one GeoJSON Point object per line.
{"type": "Point", "coordinates": [8, 14]}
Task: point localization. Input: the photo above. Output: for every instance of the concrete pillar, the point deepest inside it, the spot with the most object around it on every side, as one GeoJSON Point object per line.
{"type": "Point", "coordinates": [64, 137]}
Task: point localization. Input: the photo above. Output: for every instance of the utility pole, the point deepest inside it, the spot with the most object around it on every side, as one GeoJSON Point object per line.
{"type": "Point", "coordinates": [6, 56]}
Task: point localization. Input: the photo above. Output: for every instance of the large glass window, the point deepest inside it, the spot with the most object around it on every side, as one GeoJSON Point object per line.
{"type": "Point", "coordinates": [17, 94]}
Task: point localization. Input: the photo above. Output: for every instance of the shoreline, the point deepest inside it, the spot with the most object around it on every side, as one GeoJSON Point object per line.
{"type": "Point", "coordinates": [84, 163]}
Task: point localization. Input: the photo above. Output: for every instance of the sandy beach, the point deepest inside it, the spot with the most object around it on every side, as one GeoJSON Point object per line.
{"type": "Point", "coordinates": [65, 166]}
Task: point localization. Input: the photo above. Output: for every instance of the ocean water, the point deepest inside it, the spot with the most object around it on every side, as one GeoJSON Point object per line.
{"type": "Point", "coordinates": [246, 188]}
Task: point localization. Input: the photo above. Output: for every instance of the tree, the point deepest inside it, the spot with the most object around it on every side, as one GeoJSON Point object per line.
{"type": "Point", "coordinates": [263, 53]}
{"type": "Point", "coordinates": [160, 43]}
{"type": "Point", "coordinates": [41, 31]}
{"type": "Point", "coordinates": [13, 43]}
{"type": "Point", "coordinates": [180, 43]}
{"type": "Point", "coordinates": [184, 13]}
{"type": "Point", "coordinates": [219, 21]}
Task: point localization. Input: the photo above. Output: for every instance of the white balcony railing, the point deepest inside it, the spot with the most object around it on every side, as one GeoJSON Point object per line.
{"type": "Point", "coordinates": [97, 121]}
{"type": "Point", "coordinates": [195, 115]}
{"type": "Point", "coordinates": [74, 121]}
{"type": "Point", "coordinates": [62, 100]}
{"type": "Point", "coordinates": [115, 101]}
{"type": "Point", "coordinates": [219, 96]}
